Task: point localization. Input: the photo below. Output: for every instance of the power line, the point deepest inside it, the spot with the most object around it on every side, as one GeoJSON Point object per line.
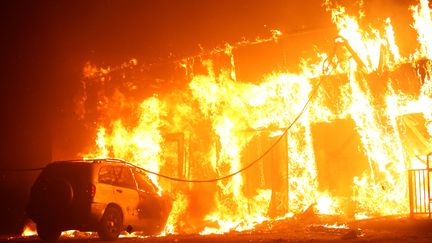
{"type": "Point", "coordinates": [328, 62]}
{"type": "Point", "coordinates": [250, 164]}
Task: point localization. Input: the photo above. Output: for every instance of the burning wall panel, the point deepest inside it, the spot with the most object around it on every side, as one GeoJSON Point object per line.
{"type": "Point", "coordinates": [339, 156]}
{"type": "Point", "coordinates": [415, 137]}
{"type": "Point", "coordinates": [270, 173]}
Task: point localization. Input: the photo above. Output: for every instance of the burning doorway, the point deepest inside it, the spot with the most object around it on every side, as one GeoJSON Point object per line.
{"type": "Point", "coordinates": [271, 172]}
{"type": "Point", "coordinates": [338, 156]}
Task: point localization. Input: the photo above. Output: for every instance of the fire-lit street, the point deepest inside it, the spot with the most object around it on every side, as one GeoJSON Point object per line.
{"type": "Point", "coordinates": [216, 121]}
{"type": "Point", "coordinates": [396, 229]}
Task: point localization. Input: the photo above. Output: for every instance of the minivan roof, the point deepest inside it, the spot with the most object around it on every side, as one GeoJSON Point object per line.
{"type": "Point", "coordinates": [114, 160]}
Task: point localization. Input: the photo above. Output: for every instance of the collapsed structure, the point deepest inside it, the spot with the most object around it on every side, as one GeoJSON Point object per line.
{"type": "Point", "coordinates": [369, 120]}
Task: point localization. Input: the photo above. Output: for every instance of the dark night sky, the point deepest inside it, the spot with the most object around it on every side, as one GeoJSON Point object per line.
{"type": "Point", "coordinates": [44, 45]}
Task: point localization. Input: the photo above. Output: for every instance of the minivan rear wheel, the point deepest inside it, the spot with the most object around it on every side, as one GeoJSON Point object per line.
{"type": "Point", "coordinates": [111, 224]}
{"type": "Point", "coordinates": [48, 233]}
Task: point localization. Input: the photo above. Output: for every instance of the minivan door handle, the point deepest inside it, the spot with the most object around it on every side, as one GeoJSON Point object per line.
{"type": "Point", "coordinates": [118, 190]}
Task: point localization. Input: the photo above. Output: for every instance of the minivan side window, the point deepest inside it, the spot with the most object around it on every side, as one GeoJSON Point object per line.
{"type": "Point", "coordinates": [117, 175]}
{"type": "Point", "coordinates": [106, 175]}
{"type": "Point", "coordinates": [124, 177]}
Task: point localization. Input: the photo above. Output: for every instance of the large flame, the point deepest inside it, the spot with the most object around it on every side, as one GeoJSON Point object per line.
{"type": "Point", "coordinates": [221, 116]}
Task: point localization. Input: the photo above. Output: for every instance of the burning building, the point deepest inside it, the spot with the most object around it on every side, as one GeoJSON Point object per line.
{"type": "Point", "coordinates": [339, 132]}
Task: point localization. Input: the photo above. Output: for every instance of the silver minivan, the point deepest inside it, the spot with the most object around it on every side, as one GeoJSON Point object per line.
{"type": "Point", "coordinates": [107, 196]}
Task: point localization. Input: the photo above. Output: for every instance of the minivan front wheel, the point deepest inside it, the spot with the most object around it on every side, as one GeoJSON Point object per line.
{"type": "Point", "coordinates": [48, 233]}
{"type": "Point", "coordinates": [111, 224]}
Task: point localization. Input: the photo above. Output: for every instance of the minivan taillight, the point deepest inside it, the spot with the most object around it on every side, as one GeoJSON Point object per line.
{"type": "Point", "coordinates": [92, 190]}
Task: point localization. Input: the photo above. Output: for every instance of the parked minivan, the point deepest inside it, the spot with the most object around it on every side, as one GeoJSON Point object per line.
{"type": "Point", "coordinates": [106, 196]}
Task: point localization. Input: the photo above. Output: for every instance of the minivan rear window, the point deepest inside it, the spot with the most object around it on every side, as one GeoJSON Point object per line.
{"type": "Point", "coordinates": [74, 172]}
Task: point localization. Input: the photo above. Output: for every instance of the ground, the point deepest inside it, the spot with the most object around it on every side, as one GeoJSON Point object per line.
{"type": "Point", "coordinates": [387, 229]}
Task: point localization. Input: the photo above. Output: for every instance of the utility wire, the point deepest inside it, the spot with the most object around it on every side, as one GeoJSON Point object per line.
{"type": "Point", "coordinates": [253, 162]}
{"type": "Point", "coordinates": [247, 166]}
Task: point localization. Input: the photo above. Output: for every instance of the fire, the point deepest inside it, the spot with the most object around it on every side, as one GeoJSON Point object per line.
{"type": "Point", "coordinates": [423, 24]}
{"type": "Point", "coordinates": [222, 117]}
{"type": "Point", "coordinates": [174, 218]}
{"type": "Point", "coordinates": [327, 205]}
{"type": "Point", "coordinates": [250, 212]}
{"type": "Point", "coordinates": [29, 230]}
